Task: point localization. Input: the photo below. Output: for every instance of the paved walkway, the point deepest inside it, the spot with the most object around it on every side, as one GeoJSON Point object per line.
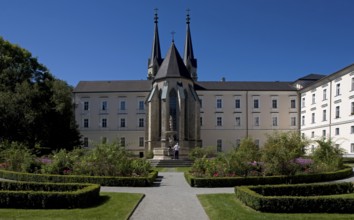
{"type": "Point", "coordinates": [172, 198]}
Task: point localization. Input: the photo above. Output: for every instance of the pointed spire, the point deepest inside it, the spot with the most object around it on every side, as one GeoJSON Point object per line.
{"type": "Point", "coordinates": [188, 58]}
{"type": "Point", "coordinates": [155, 60]}
{"type": "Point", "coordinates": [172, 66]}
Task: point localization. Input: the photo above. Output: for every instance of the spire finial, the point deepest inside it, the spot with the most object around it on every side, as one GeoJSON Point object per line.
{"type": "Point", "coordinates": [188, 18]}
{"type": "Point", "coordinates": [156, 17]}
{"type": "Point", "coordinates": [173, 36]}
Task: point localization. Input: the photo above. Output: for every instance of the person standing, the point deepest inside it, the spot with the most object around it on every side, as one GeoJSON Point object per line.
{"type": "Point", "coordinates": [176, 149]}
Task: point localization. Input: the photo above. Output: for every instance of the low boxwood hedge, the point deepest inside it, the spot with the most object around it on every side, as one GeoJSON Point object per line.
{"type": "Point", "coordinates": [101, 180]}
{"type": "Point", "coordinates": [328, 198]}
{"type": "Point", "coordinates": [47, 195]}
{"type": "Point", "coordinates": [264, 180]}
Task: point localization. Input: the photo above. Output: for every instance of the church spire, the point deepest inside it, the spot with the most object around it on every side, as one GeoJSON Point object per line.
{"type": "Point", "coordinates": [188, 58]}
{"type": "Point", "coordinates": [155, 60]}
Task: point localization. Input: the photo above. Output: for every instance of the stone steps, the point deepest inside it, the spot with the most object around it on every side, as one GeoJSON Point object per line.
{"type": "Point", "coordinates": [171, 163]}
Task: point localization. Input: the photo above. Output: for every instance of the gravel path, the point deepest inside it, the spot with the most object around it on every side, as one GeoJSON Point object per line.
{"type": "Point", "coordinates": [171, 198]}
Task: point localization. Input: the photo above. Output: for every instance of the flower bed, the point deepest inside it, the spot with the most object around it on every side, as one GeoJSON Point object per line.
{"type": "Point", "coordinates": [300, 198]}
{"type": "Point", "coordinates": [102, 180]}
{"type": "Point", "coordinates": [47, 195]}
{"type": "Point", "coordinates": [259, 180]}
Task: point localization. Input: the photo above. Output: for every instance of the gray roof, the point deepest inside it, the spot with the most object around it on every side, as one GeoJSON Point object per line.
{"type": "Point", "coordinates": [172, 66]}
{"type": "Point", "coordinates": [244, 86]}
{"type": "Point", "coordinates": [113, 86]}
{"type": "Point", "coordinates": [146, 86]}
{"type": "Point", "coordinates": [312, 76]}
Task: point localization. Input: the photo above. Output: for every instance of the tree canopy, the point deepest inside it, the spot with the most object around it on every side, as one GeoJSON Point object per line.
{"type": "Point", "coordinates": [36, 109]}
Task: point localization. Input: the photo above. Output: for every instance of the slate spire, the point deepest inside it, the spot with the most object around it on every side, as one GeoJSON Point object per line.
{"type": "Point", "coordinates": [188, 58]}
{"type": "Point", "coordinates": [172, 66]}
{"type": "Point", "coordinates": [155, 60]}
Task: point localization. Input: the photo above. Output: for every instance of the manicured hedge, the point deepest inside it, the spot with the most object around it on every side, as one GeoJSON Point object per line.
{"type": "Point", "coordinates": [260, 180]}
{"type": "Point", "coordinates": [282, 201]}
{"type": "Point", "coordinates": [47, 195]}
{"type": "Point", "coordinates": [102, 180]}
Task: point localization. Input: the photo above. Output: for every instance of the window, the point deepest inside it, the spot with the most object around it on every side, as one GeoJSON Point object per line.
{"type": "Point", "coordinates": [352, 87]}
{"type": "Point", "coordinates": [313, 98]}
{"type": "Point", "coordinates": [337, 111]}
{"type": "Point", "coordinates": [352, 129]}
{"type": "Point", "coordinates": [237, 103]}
{"type": "Point", "coordinates": [324, 115]}
{"type": "Point", "coordinates": [86, 106]}
{"type": "Point", "coordinates": [293, 103]}
{"type": "Point", "coordinates": [86, 123]}
{"type": "Point", "coordinates": [238, 142]}
{"type": "Point", "coordinates": [104, 122]}
{"type": "Point", "coordinates": [312, 134]}
{"type": "Point", "coordinates": [141, 122]}
{"type": "Point", "coordinates": [201, 121]}
{"type": "Point", "coordinates": [122, 105]}
{"type": "Point", "coordinates": [238, 121]}
{"type": "Point", "coordinates": [323, 133]}
{"type": "Point", "coordinates": [256, 121]}
{"type": "Point", "coordinates": [85, 142]}
{"type": "Point", "coordinates": [303, 120]}
{"type": "Point", "coordinates": [351, 148]}
{"type": "Point", "coordinates": [218, 121]}
{"type": "Point", "coordinates": [274, 103]}
{"type": "Point", "coordinates": [255, 103]}
{"type": "Point", "coordinates": [219, 145]}
{"type": "Point", "coordinates": [312, 148]}
{"type": "Point", "coordinates": [122, 122]}
{"type": "Point", "coordinates": [303, 135]}
{"type": "Point", "coordinates": [201, 103]}
{"type": "Point", "coordinates": [218, 103]}
{"type": "Point", "coordinates": [103, 140]}
{"type": "Point", "coordinates": [256, 142]}
{"type": "Point", "coordinates": [122, 141]}
{"type": "Point", "coordinates": [313, 118]}
{"type": "Point", "coordinates": [337, 131]}
{"type": "Point", "coordinates": [141, 105]}
{"type": "Point", "coordinates": [104, 105]}
{"type": "Point", "coordinates": [338, 89]}
{"type": "Point", "coordinates": [293, 121]}
{"type": "Point", "coordinates": [141, 141]}
{"type": "Point", "coordinates": [275, 121]}
{"type": "Point", "coordinates": [325, 94]}
{"type": "Point", "coordinates": [303, 102]}
{"type": "Point", "coordinates": [352, 108]}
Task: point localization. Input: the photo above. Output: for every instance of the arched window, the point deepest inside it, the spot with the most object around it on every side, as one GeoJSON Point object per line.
{"type": "Point", "coordinates": [173, 109]}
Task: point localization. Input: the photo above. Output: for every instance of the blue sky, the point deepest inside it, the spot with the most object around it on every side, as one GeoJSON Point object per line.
{"type": "Point", "coordinates": [241, 40]}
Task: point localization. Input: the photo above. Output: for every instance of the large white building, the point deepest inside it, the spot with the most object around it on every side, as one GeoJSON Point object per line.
{"type": "Point", "coordinates": [171, 105]}
{"type": "Point", "coordinates": [327, 109]}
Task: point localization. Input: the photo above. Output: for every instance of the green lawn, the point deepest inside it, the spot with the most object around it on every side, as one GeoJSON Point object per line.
{"type": "Point", "coordinates": [111, 206]}
{"type": "Point", "coordinates": [227, 206]}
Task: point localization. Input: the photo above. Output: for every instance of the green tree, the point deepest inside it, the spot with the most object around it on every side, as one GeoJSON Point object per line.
{"type": "Point", "coordinates": [35, 108]}
{"type": "Point", "coordinates": [327, 156]}
{"type": "Point", "coordinates": [280, 151]}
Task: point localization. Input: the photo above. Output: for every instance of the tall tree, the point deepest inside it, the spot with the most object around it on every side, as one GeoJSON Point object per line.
{"type": "Point", "coordinates": [35, 107]}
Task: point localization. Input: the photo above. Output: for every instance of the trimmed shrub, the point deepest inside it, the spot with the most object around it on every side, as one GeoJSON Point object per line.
{"type": "Point", "coordinates": [294, 198]}
{"type": "Point", "coordinates": [47, 195]}
{"type": "Point", "coordinates": [258, 180]}
{"type": "Point", "coordinates": [102, 180]}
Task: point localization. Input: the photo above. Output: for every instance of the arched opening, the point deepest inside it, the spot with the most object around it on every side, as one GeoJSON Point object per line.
{"type": "Point", "coordinates": [173, 109]}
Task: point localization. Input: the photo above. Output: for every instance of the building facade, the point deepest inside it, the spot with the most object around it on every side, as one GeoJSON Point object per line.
{"type": "Point", "coordinates": [173, 106]}
{"type": "Point", "coordinates": [327, 110]}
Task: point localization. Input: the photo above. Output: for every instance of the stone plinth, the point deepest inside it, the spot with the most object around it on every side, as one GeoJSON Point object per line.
{"type": "Point", "coordinates": [161, 154]}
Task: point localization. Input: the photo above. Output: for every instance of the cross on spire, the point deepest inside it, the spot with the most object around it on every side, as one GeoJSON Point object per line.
{"type": "Point", "coordinates": [173, 36]}
{"type": "Point", "coordinates": [188, 18]}
{"type": "Point", "coordinates": [156, 17]}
